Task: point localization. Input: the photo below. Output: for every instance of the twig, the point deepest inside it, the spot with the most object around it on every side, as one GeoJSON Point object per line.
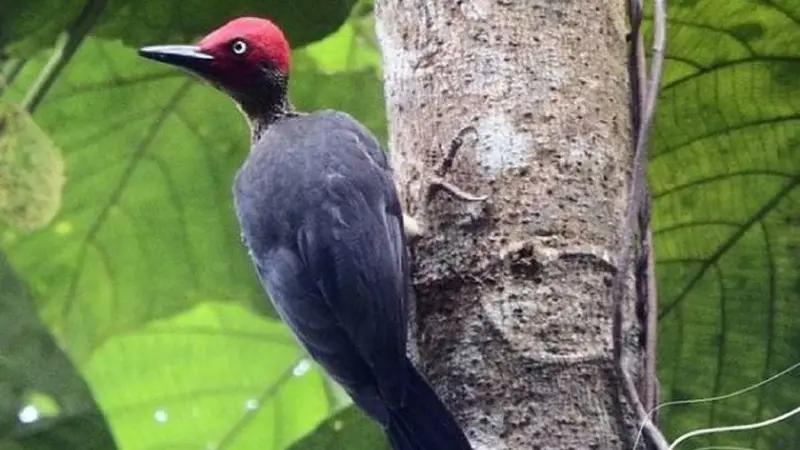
{"type": "Point", "coordinates": [647, 308]}
{"type": "Point", "coordinates": [638, 85]}
{"type": "Point", "coordinates": [744, 427]}
{"type": "Point", "coordinates": [724, 447]}
{"type": "Point", "coordinates": [636, 65]}
{"type": "Point", "coordinates": [651, 389]}
{"type": "Point", "coordinates": [11, 69]}
{"type": "Point", "coordinates": [65, 47]}
{"type": "Point", "coordinates": [656, 438]}
{"type": "Point", "coordinates": [644, 98]}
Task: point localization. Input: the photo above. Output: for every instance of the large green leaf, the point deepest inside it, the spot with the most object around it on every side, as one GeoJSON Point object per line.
{"type": "Point", "coordinates": [725, 171]}
{"type": "Point", "coordinates": [349, 429]}
{"type": "Point", "coordinates": [214, 377]}
{"type": "Point", "coordinates": [31, 171]}
{"type": "Point", "coordinates": [33, 25]}
{"type": "Point", "coordinates": [146, 227]}
{"type": "Point", "coordinates": [44, 401]}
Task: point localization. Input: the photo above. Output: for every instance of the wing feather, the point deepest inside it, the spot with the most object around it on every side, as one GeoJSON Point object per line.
{"type": "Point", "coordinates": [338, 274]}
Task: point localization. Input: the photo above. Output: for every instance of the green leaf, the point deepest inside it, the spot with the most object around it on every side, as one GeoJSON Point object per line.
{"type": "Point", "coordinates": [353, 47]}
{"type": "Point", "coordinates": [214, 377]}
{"type": "Point", "coordinates": [724, 172]}
{"type": "Point", "coordinates": [30, 26]}
{"type": "Point", "coordinates": [347, 96]}
{"type": "Point", "coordinates": [348, 429]}
{"type": "Point", "coordinates": [146, 227]}
{"type": "Point", "coordinates": [44, 401]}
{"type": "Point", "coordinates": [84, 431]}
{"type": "Point", "coordinates": [31, 172]}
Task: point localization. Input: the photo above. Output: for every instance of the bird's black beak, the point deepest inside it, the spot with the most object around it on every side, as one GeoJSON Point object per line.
{"type": "Point", "coordinates": [184, 56]}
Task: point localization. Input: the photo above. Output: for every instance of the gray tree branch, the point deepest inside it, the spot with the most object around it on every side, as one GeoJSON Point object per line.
{"type": "Point", "coordinates": [644, 99]}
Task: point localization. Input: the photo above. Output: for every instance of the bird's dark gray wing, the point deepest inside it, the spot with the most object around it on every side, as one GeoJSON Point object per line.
{"type": "Point", "coordinates": [302, 306]}
{"type": "Point", "coordinates": [363, 274]}
{"type": "Point", "coordinates": [341, 285]}
{"type": "Point", "coordinates": [349, 317]}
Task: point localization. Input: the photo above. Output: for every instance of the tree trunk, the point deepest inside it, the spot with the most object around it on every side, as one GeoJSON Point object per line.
{"type": "Point", "coordinates": [513, 307]}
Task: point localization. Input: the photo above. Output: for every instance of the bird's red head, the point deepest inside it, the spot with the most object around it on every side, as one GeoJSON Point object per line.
{"type": "Point", "coordinates": [247, 57]}
{"type": "Point", "coordinates": [248, 39]}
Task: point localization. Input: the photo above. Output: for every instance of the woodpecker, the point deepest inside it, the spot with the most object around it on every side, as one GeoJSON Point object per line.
{"type": "Point", "coordinates": [323, 224]}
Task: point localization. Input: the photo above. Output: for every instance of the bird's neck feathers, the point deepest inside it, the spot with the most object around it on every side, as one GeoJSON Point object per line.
{"type": "Point", "coordinates": [261, 119]}
{"type": "Point", "coordinates": [265, 104]}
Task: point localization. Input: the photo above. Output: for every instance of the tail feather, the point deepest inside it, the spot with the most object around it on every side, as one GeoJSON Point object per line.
{"type": "Point", "coordinates": [424, 422]}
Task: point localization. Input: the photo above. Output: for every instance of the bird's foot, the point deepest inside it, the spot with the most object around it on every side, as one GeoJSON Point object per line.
{"type": "Point", "coordinates": [414, 227]}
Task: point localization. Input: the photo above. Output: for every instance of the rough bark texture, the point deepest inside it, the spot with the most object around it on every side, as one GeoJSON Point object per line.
{"type": "Point", "coordinates": [513, 309]}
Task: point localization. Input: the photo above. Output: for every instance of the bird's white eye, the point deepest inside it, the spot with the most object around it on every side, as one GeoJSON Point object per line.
{"type": "Point", "coordinates": [239, 47]}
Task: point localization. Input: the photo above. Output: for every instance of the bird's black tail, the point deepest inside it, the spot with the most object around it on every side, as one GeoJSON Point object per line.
{"type": "Point", "coordinates": [424, 423]}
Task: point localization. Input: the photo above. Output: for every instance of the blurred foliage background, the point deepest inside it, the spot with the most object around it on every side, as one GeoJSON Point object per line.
{"type": "Point", "coordinates": [130, 317]}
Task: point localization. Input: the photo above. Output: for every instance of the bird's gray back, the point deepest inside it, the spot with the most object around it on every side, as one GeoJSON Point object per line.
{"type": "Point", "coordinates": [285, 174]}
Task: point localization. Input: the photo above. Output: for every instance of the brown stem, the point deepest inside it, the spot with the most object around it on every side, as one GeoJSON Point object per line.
{"type": "Point", "coordinates": [65, 48]}
{"type": "Point", "coordinates": [645, 95]}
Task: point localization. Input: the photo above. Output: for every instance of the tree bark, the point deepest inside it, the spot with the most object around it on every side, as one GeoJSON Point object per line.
{"type": "Point", "coordinates": [513, 312]}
